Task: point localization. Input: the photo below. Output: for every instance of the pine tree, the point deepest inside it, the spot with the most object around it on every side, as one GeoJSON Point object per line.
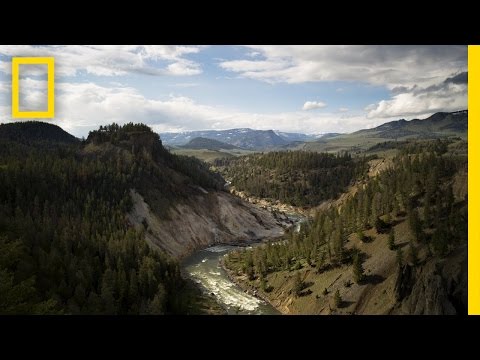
{"type": "Point", "coordinates": [338, 237]}
{"type": "Point", "coordinates": [263, 284]}
{"type": "Point", "coordinates": [358, 272]}
{"type": "Point", "coordinates": [427, 210]}
{"type": "Point", "coordinates": [449, 198]}
{"type": "Point", "coordinates": [391, 240]}
{"type": "Point", "coordinates": [440, 240]}
{"type": "Point", "coordinates": [297, 284]}
{"type": "Point", "coordinates": [337, 299]}
{"type": "Point", "coordinates": [157, 304]}
{"type": "Point", "coordinates": [415, 224]}
{"type": "Point", "coordinates": [413, 254]}
{"type": "Point", "coordinates": [399, 256]}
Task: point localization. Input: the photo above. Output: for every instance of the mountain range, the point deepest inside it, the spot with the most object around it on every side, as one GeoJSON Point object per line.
{"type": "Point", "coordinates": [209, 144]}
{"type": "Point", "coordinates": [438, 125]}
{"type": "Point", "coordinates": [244, 138]}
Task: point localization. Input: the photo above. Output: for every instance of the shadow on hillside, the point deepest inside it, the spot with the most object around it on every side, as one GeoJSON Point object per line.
{"type": "Point", "coordinates": [401, 245]}
{"type": "Point", "coordinates": [307, 284]}
{"type": "Point", "coordinates": [396, 222]}
{"type": "Point", "coordinates": [345, 304]}
{"type": "Point", "coordinates": [364, 256]}
{"type": "Point", "coordinates": [367, 239]}
{"type": "Point", "coordinates": [373, 279]}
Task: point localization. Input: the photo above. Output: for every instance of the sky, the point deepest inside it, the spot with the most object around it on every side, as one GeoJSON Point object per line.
{"type": "Point", "coordinates": [308, 89]}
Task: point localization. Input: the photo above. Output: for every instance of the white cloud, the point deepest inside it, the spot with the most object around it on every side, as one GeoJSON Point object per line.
{"type": "Point", "coordinates": [81, 107]}
{"type": "Point", "coordinates": [250, 68]}
{"type": "Point", "coordinates": [421, 79]}
{"type": "Point", "coordinates": [185, 85]}
{"type": "Point", "coordinates": [33, 94]}
{"type": "Point", "coordinates": [311, 105]}
{"type": "Point", "coordinates": [111, 60]}
{"type": "Point", "coordinates": [380, 65]}
{"type": "Point", "coordinates": [370, 107]}
{"type": "Point", "coordinates": [4, 87]}
{"type": "Point", "coordinates": [449, 97]}
{"type": "Point", "coordinates": [5, 66]}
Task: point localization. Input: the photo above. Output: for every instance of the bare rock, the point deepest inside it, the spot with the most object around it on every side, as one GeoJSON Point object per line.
{"type": "Point", "coordinates": [438, 287]}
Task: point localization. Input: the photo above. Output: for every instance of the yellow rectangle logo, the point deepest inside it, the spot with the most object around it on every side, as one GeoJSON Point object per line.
{"type": "Point", "coordinates": [50, 62]}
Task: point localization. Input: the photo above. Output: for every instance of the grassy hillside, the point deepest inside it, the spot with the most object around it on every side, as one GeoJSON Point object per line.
{"type": "Point", "coordinates": [439, 125]}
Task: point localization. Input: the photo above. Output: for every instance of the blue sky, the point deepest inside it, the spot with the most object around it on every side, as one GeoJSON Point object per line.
{"type": "Point", "coordinates": [310, 89]}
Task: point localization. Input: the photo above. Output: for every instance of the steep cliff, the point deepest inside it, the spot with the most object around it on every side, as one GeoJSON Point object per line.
{"type": "Point", "coordinates": [207, 218]}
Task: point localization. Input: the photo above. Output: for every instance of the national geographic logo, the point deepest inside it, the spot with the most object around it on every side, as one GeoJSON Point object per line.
{"type": "Point", "coordinates": [50, 112]}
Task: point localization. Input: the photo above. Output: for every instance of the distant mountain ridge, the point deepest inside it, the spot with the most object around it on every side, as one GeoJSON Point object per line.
{"type": "Point", "coordinates": [244, 138]}
{"type": "Point", "coordinates": [209, 144]}
{"type": "Point", "coordinates": [438, 124]}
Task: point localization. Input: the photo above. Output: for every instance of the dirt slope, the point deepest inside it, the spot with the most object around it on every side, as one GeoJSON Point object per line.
{"type": "Point", "coordinates": [209, 218]}
{"type": "Point", "coordinates": [435, 287]}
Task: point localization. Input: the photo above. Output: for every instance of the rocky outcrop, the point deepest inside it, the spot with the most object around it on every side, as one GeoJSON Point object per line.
{"type": "Point", "coordinates": [206, 219]}
{"type": "Point", "coordinates": [438, 287]}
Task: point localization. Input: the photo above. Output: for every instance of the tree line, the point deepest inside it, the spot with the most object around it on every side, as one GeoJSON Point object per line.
{"type": "Point", "coordinates": [298, 178]}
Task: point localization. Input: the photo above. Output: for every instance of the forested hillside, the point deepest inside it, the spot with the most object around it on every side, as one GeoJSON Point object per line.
{"type": "Point", "coordinates": [297, 178]}
{"type": "Point", "coordinates": [65, 244]}
{"type": "Point", "coordinates": [416, 209]}
{"type": "Point", "coordinates": [34, 132]}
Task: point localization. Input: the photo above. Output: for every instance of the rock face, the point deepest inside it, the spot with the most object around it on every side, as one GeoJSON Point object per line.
{"type": "Point", "coordinates": [438, 287]}
{"type": "Point", "coordinates": [208, 219]}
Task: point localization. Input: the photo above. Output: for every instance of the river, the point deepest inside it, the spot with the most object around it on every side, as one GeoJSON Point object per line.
{"type": "Point", "coordinates": [204, 268]}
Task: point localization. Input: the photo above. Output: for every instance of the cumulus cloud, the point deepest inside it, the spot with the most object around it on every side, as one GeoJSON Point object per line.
{"type": "Point", "coordinates": [81, 107]}
{"type": "Point", "coordinates": [461, 78]}
{"type": "Point", "coordinates": [4, 87]}
{"type": "Point", "coordinates": [185, 85]}
{"type": "Point", "coordinates": [421, 79]}
{"type": "Point", "coordinates": [449, 95]}
{"type": "Point", "coordinates": [311, 105]}
{"type": "Point", "coordinates": [379, 65]}
{"type": "Point", "coordinates": [111, 60]}
{"type": "Point", "coordinates": [33, 94]}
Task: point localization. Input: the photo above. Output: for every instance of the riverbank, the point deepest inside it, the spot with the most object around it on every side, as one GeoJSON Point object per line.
{"type": "Point", "coordinates": [205, 270]}
{"type": "Point", "coordinates": [272, 206]}
{"type": "Point", "coordinates": [247, 288]}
